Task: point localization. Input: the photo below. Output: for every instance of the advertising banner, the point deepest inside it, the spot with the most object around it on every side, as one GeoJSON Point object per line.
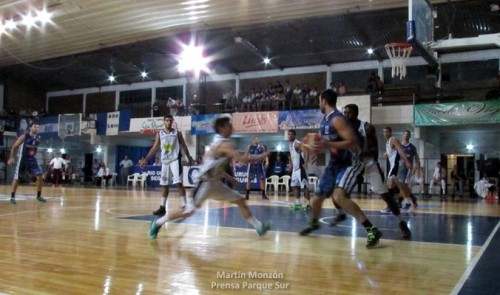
{"type": "Point", "coordinates": [459, 113]}
{"type": "Point", "coordinates": [300, 119]}
{"type": "Point", "coordinates": [257, 122]}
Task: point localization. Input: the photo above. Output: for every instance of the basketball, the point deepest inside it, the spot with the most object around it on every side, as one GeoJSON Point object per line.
{"type": "Point", "coordinates": [310, 142]}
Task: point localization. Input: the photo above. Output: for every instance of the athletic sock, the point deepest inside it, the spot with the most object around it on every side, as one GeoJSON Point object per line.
{"type": "Point", "coordinates": [164, 202]}
{"type": "Point", "coordinates": [367, 224]}
{"type": "Point", "coordinates": [13, 195]}
{"type": "Point", "coordinates": [38, 194]}
{"type": "Point", "coordinates": [254, 222]}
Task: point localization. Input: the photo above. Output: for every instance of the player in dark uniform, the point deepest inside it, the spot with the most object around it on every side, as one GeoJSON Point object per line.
{"type": "Point", "coordinates": [257, 170]}
{"type": "Point", "coordinates": [27, 145]}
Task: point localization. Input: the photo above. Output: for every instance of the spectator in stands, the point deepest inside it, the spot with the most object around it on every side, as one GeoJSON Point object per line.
{"type": "Point", "coordinates": [296, 95]}
{"type": "Point", "coordinates": [304, 95]}
{"type": "Point", "coordinates": [259, 99]}
{"type": "Point", "coordinates": [246, 102]}
{"type": "Point", "coordinates": [42, 113]}
{"type": "Point", "coordinates": [157, 162]}
{"type": "Point", "coordinates": [332, 87]}
{"type": "Point", "coordinates": [156, 108]}
{"type": "Point", "coordinates": [195, 107]}
{"type": "Point", "coordinates": [342, 89]}
{"type": "Point", "coordinates": [278, 88]}
{"type": "Point", "coordinates": [371, 88]}
{"type": "Point", "coordinates": [231, 101]}
{"type": "Point", "coordinates": [313, 96]}
{"type": "Point", "coordinates": [181, 111]}
{"type": "Point", "coordinates": [379, 84]}
{"type": "Point", "coordinates": [288, 91]}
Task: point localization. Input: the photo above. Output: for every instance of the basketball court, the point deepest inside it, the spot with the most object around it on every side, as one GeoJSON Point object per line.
{"type": "Point", "coordinates": [453, 249]}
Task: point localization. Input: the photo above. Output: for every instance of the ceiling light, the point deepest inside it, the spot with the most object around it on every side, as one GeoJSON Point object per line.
{"type": "Point", "coordinates": [470, 147]}
{"type": "Point", "coordinates": [43, 16]}
{"type": "Point", "coordinates": [10, 25]}
{"type": "Point", "coordinates": [370, 50]}
{"type": "Point", "coordinates": [50, 150]}
{"type": "Point", "coordinates": [28, 20]}
{"type": "Point", "coordinates": [192, 60]}
{"type": "Point", "coordinates": [267, 60]}
{"type": "Point", "coordinates": [144, 74]}
{"type": "Point", "coordinates": [98, 149]}
{"type": "Point", "coordinates": [63, 151]}
{"type": "Point", "coordinates": [111, 78]}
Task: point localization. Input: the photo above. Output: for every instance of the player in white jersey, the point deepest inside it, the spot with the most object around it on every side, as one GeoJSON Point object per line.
{"type": "Point", "coordinates": [298, 166]}
{"type": "Point", "coordinates": [395, 154]}
{"type": "Point", "coordinates": [210, 185]}
{"type": "Point", "coordinates": [171, 141]}
{"type": "Point", "coordinates": [372, 171]}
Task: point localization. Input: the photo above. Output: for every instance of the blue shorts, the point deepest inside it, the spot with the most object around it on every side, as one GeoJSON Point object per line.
{"type": "Point", "coordinates": [27, 166]}
{"type": "Point", "coordinates": [329, 181]}
{"type": "Point", "coordinates": [403, 174]}
{"type": "Point", "coordinates": [256, 171]}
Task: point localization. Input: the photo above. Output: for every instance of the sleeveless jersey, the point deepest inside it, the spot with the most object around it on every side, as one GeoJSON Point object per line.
{"type": "Point", "coordinates": [392, 153]}
{"type": "Point", "coordinates": [28, 148]}
{"type": "Point", "coordinates": [296, 157]}
{"type": "Point", "coordinates": [364, 142]}
{"type": "Point", "coordinates": [410, 151]}
{"type": "Point", "coordinates": [213, 166]}
{"type": "Point", "coordinates": [169, 142]}
{"type": "Point", "coordinates": [328, 132]}
{"type": "Point", "coordinates": [256, 150]}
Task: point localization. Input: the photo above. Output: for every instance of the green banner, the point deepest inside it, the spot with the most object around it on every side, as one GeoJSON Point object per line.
{"type": "Point", "coordinates": [460, 113]}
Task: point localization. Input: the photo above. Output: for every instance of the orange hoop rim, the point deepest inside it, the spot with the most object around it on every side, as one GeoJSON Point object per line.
{"type": "Point", "coordinates": [398, 45]}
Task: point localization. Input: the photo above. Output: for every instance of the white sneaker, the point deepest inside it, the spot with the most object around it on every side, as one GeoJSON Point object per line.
{"type": "Point", "coordinates": [188, 209]}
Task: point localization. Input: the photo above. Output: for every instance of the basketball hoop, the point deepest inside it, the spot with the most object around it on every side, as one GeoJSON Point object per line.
{"type": "Point", "coordinates": [398, 53]}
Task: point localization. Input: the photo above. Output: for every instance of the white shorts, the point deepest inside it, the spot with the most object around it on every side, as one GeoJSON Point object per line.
{"type": "Point", "coordinates": [176, 168]}
{"type": "Point", "coordinates": [299, 178]}
{"type": "Point", "coordinates": [350, 177]}
{"type": "Point", "coordinates": [375, 178]}
{"type": "Point", "coordinates": [214, 189]}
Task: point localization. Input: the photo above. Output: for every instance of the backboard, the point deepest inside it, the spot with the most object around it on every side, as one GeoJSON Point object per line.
{"type": "Point", "coordinates": [69, 125]}
{"type": "Point", "coordinates": [420, 29]}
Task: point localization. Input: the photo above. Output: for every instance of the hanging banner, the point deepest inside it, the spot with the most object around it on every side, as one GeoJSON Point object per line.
{"type": "Point", "coordinates": [460, 113]}
{"type": "Point", "coordinates": [300, 119]}
{"type": "Point", "coordinates": [257, 122]}
{"type": "Point", "coordinates": [202, 124]}
{"type": "Point", "coordinates": [48, 126]}
{"type": "Point", "coordinates": [112, 123]}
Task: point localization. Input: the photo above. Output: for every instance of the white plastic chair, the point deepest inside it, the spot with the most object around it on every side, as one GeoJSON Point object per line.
{"type": "Point", "coordinates": [313, 181]}
{"type": "Point", "coordinates": [134, 178]}
{"type": "Point", "coordinates": [284, 181]}
{"type": "Point", "coordinates": [112, 181]}
{"type": "Point", "coordinates": [142, 179]}
{"type": "Point", "coordinates": [273, 181]}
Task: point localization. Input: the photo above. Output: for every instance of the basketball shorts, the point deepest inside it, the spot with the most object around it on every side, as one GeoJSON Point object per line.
{"type": "Point", "coordinates": [171, 170]}
{"type": "Point", "coordinates": [299, 178]}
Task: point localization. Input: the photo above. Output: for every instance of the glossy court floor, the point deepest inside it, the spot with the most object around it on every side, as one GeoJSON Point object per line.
{"type": "Point", "coordinates": [94, 241]}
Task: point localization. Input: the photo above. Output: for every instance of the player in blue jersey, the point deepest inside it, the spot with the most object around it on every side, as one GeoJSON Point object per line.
{"type": "Point", "coordinates": [257, 170]}
{"type": "Point", "coordinates": [404, 173]}
{"type": "Point", "coordinates": [27, 145]}
{"type": "Point", "coordinates": [339, 177]}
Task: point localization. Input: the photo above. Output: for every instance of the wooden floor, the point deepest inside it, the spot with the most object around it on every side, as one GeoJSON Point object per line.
{"type": "Point", "coordinates": [79, 243]}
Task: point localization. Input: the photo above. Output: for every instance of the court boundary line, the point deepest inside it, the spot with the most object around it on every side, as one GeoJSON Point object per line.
{"type": "Point", "coordinates": [465, 276]}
